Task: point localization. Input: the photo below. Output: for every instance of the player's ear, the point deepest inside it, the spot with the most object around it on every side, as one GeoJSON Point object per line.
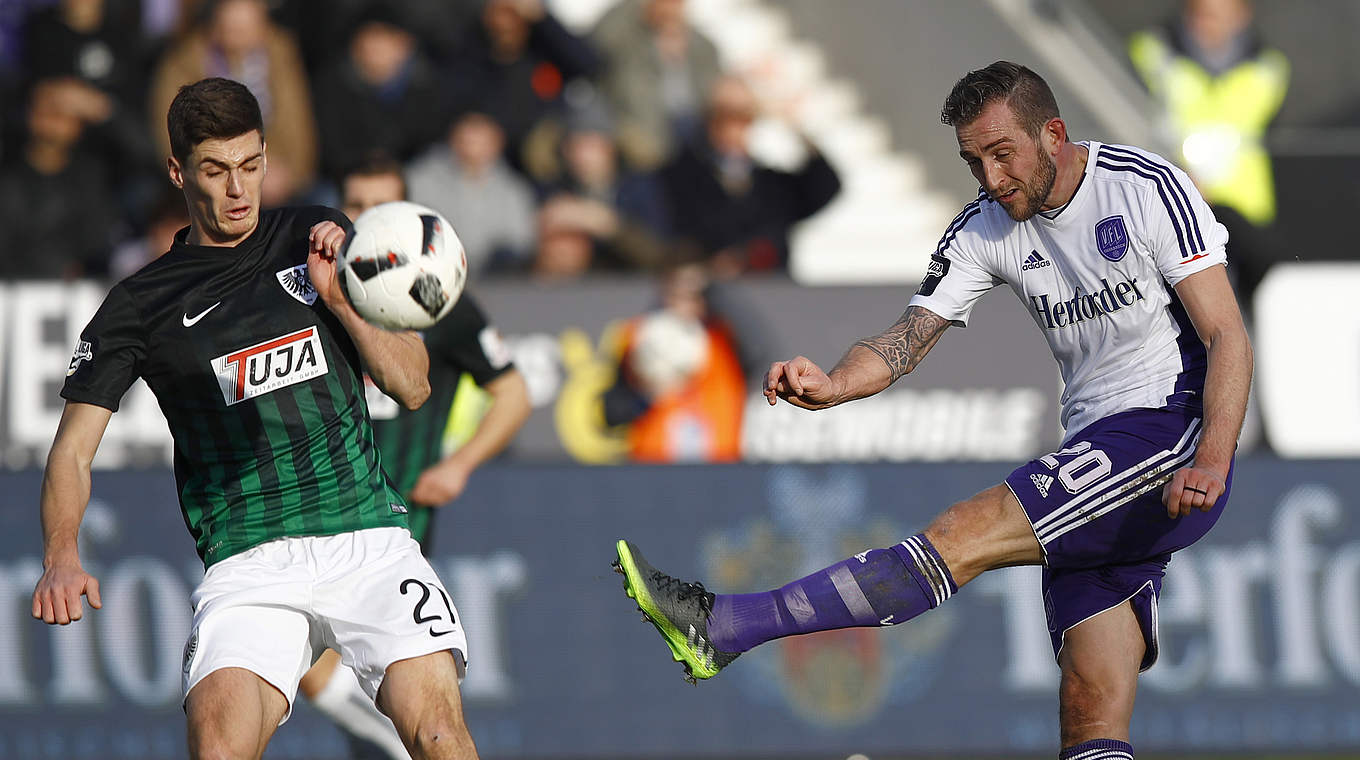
{"type": "Point", "coordinates": [175, 171]}
{"type": "Point", "coordinates": [1054, 135]}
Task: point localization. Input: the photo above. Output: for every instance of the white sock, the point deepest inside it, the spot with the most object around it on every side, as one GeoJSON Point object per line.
{"type": "Point", "coordinates": [343, 701]}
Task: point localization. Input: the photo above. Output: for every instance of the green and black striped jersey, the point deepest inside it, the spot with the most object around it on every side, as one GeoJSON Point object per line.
{"type": "Point", "coordinates": [410, 441]}
{"type": "Point", "coordinates": [260, 385]}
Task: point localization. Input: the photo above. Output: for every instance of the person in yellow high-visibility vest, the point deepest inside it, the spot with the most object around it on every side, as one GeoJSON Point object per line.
{"type": "Point", "coordinates": [1221, 87]}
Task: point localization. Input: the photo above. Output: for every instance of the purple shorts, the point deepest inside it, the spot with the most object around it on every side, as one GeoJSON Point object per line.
{"type": "Point", "coordinates": [1096, 508]}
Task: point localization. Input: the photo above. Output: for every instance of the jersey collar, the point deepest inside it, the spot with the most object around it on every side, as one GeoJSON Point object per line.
{"type": "Point", "coordinates": [1070, 210]}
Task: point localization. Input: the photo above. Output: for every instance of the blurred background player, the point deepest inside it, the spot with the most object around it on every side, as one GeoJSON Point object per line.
{"type": "Point", "coordinates": [476, 390]}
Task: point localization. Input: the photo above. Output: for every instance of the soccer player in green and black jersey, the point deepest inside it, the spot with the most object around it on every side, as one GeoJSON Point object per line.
{"type": "Point", "coordinates": [469, 363]}
{"type": "Point", "coordinates": [243, 333]}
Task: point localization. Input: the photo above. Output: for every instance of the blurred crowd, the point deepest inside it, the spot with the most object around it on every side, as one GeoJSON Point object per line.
{"type": "Point", "coordinates": [553, 154]}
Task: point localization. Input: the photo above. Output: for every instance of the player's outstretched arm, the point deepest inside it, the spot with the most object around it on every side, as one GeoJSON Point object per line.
{"type": "Point", "coordinates": [870, 365]}
{"type": "Point", "coordinates": [65, 492]}
{"type": "Point", "coordinates": [396, 361]}
{"type": "Point", "coordinates": [1209, 301]}
{"type": "Point", "coordinates": [444, 481]}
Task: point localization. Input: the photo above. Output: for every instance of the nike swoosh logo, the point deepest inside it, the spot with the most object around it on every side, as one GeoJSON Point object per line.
{"type": "Point", "coordinates": [191, 321]}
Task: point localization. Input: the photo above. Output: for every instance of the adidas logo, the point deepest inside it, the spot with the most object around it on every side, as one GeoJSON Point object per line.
{"type": "Point", "coordinates": [1041, 482]}
{"type": "Point", "coordinates": [1034, 261]}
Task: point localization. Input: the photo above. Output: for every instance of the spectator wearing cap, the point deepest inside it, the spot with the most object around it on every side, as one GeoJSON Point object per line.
{"type": "Point", "coordinates": [736, 210]}
{"type": "Point", "coordinates": [384, 97]}
{"type": "Point", "coordinates": [657, 73]}
{"type": "Point", "coordinates": [515, 65]}
{"type": "Point", "coordinates": [621, 215]}
{"type": "Point", "coordinates": [240, 42]}
{"type": "Point", "coordinates": [468, 181]}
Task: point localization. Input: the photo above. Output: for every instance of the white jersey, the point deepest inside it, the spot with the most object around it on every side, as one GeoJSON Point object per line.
{"type": "Point", "coordinates": [1097, 278]}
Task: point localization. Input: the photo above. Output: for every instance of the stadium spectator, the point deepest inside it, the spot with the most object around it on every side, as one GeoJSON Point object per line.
{"type": "Point", "coordinates": [658, 71]}
{"type": "Point", "coordinates": [240, 42]}
{"type": "Point", "coordinates": [621, 214]}
{"type": "Point", "coordinates": [93, 44]}
{"type": "Point", "coordinates": [467, 180]}
{"type": "Point", "coordinates": [514, 66]}
{"type": "Point", "coordinates": [55, 208]}
{"type": "Point", "coordinates": [738, 211]}
{"type": "Point", "coordinates": [1220, 86]}
{"type": "Point", "coordinates": [384, 97]}
{"type": "Point", "coordinates": [680, 386]}
{"type": "Point", "coordinates": [93, 40]}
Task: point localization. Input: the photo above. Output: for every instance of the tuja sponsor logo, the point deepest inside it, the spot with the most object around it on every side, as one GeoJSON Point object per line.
{"type": "Point", "coordinates": [1083, 306]}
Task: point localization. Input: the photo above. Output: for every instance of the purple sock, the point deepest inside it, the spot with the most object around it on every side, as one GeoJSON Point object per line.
{"type": "Point", "coordinates": [1099, 749]}
{"type": "Point", "coordinates": [876, 588]}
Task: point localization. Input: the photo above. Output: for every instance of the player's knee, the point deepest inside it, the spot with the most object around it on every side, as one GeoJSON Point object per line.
{"type": "Point", "coordinates": [206, 746]}
{"type": "Point", "coordinates": [1090, 705]}
{"type": "Point", "coordinates": [440, 737]}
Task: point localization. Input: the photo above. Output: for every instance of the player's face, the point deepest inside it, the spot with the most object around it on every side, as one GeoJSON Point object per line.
{"type": "Point", "coordinates": [364, 191]}
{"type": "Point", "coordinates": [221, 180]}
{"type": "Point", "coordinates": [1016, 170]}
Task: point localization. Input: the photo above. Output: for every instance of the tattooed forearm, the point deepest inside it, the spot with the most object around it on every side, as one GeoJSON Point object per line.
{"type": "Point", "coordinates": [906, 343]}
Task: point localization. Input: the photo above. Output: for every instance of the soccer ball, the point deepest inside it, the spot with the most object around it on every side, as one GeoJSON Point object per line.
{"type": "Point", "coordinates": [403, 268]}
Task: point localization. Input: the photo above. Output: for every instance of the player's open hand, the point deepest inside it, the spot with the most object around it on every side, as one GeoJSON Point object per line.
{"type": "Point", "coordinates": [325, 244]}
{"type": "Point", "coordinates": [801, 383]}
{"type": "Point", "coordinates": [56, 598]}
{"type": "Point", "coordinates": [1192, 488]}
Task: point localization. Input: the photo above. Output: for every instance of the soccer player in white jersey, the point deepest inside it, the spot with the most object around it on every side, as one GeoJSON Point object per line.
{"type": "Point", "coordinates": [1120, 263]}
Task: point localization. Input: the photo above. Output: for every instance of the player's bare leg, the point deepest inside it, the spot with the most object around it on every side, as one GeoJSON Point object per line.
{"type": "Point", "coordinates": [232, 713]}
{"type": "Point", "coordinates": [421, 697]}
{"type": "Point", "coordinates": [335, 693]}
{"type": "Point", "coordinates": [879, 587]}
{"type": "Point", "coordinates": [1099, 661]}
{"type": "Point", "coordinates": [983, 533]}
{"type": "Point", "coordinates": [316, 677]}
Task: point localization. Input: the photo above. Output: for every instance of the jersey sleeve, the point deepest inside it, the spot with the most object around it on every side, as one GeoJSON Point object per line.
{"type": "Point", "coordinates": [108, 357]}
{"type": "Point", "coordinates": [1184, 235]}
{"type": "Point", "coordinates": [958, 275]}
{"type": "Point", "coordinates": [466, 341]}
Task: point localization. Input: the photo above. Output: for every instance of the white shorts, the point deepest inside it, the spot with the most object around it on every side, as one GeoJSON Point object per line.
{"type": "Point", "coordinates": [370, 595]}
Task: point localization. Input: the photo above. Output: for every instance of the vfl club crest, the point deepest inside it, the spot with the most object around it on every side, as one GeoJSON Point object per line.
{"type": "Point", "coordinates": [833, 678]}
{"type": "Point", "coordinates": [297, 283]}
{"type": "Point", "coordinates": [1112, 239]}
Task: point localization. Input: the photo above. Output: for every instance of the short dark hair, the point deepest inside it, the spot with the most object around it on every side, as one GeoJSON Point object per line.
{"type": "Point", "coordinates": [375, 165]}
{"type": "Point", "coordinates": [213, 108]}
{"type": "Point", "coordinates": [1024, 91]}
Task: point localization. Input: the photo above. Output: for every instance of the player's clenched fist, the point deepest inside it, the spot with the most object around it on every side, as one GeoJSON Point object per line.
{"type": "Point", "coordinates": [56, 598]}
{"type": "Point", "coordinates": [801, 383]}
{"type": "Point", "coordinates": [1192, 488]}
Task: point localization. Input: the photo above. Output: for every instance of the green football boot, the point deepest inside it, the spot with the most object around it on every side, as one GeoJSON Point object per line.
{"type": "Point", "coordinates": [679, 611]}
